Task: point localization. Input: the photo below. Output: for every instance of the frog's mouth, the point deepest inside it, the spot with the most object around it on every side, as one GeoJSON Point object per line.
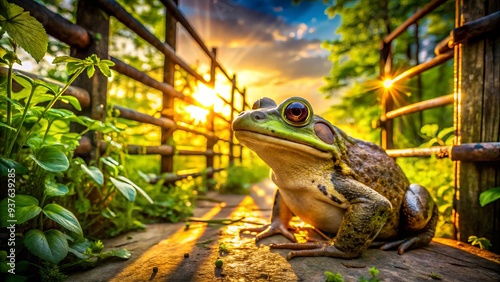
{"type": "Point", "coordinates": [265, 144]}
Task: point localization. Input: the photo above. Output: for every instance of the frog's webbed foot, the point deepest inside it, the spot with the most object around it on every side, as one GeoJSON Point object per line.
{"type": "Point", "coordinates": [270, 230]}
{"type": "Point", "coordinates": [312, 249]}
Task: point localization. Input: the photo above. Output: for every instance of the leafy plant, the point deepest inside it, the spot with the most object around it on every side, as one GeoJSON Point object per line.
{"type": "Point", "coordinates": [482, 242]}
{"type": "Point", "coordinates": [489, 196]}
{"type": "Point", "coordinates": [374, 273]}
{"type": "Point", "coordinates": [37, 147]}
{"type": "Point", "coordinates": [333, 277]}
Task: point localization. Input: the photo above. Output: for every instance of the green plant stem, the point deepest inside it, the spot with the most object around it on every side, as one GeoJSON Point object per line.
{"type": "Point", "coordinates": [47, 131]}
{"type": "Point", "coordinates": [9, 104]}
{"type": "Point", "coordinates": [25, 112]}
{"type": "Point", "coordinates": [48, 107]}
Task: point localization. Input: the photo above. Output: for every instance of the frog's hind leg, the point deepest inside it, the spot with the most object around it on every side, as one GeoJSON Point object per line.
{"type": "Point", "coordinates": [419, 215]}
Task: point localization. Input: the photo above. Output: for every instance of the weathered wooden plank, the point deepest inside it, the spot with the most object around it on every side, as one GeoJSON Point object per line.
{"type": "Point", "coordinates": [479, 121]}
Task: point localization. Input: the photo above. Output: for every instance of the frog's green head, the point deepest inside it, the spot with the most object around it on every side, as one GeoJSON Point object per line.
{"type": "Point", "coordinates": [290, 128]}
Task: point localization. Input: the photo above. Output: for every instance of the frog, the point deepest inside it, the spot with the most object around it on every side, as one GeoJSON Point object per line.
{"type": "Point", "coordinates": [340, 185]}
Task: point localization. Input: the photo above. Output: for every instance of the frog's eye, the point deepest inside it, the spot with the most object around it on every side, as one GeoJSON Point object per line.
{"type": "Point", "coordinates": [296, 112]}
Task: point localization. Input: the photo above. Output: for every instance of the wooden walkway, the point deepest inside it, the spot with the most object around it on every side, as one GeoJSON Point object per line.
{"type": "Point", "coordinates": [189, 255]}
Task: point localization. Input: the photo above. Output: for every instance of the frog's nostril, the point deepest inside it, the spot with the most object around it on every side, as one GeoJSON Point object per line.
{"type": "Point", "coordinates": [258, 116]}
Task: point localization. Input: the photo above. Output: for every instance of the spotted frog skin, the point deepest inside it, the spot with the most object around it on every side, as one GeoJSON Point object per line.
{"type": "Point", "coordinates": [336, 183]}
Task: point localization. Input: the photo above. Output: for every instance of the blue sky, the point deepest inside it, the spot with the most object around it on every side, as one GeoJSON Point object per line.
{"type": "Point", "coordinates": [272, 45]}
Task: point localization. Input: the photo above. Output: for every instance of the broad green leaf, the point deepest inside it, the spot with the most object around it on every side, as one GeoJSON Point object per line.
{"type": "Point", "coordinates": [58, 114]}
{"type": "Point", "coordinates": [489, 196]}
{"type": "Point", "coordinates": [4, 125]}
{"type": "Point", "coordinates": [26, 31]}
{"type": "Point", "coordinates": [126, 189]}
{"type": "Point", "coordinates": [73, 101]}
{"type": "Point", "coordinates": [124, 179]}
{"type": "Point", "coordinates": [53, 189]}
{"type": "Point", "coordinates": [79, 247]}
{"type": "Point", "coordinates": [65, 59]}
{"type": "Point", "coordinates": [8, 164]}
{"type": "Point", "coordinates": [64, 217]}
{"type": "Point", "coordinates": [24, 208]}
{"type": "Point", "coordinates": [51, 246]}
{"type": "Point", "coordinates": [51, 159]}
{"type": "Point", "coordinates": [94, 172]}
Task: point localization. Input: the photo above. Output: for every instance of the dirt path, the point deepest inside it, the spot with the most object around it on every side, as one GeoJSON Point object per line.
{"type": "Point", "coordinates": [170, 252]}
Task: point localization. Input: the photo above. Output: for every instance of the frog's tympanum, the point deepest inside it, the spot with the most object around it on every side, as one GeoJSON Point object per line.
{"type": "Point", "coordinates": [338, 184]}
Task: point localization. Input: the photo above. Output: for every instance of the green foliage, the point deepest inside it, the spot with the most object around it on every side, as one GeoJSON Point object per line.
{"type": "Point", "coordinates": [374, 273]}
{"type": "Point", "coordinates": [489, 196]}
{"type": "Point", "coordinates": [25, 30]}
{"type": "Point", "coordinates": [483, 242]}
{"type": "Point", "coordinates": [333, 277]}
{"type": "Point", "coordinates": [238, 178]}
{"type": "Point", "coordinates": [37, 148]}
{"type": "Point", "coordinates": [337, 277]}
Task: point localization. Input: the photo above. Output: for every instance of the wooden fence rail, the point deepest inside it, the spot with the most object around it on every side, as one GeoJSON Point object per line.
{"type": "Point", "coordinates": [81, 37]}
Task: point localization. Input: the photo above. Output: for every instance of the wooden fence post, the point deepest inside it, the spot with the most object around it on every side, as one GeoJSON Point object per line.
{"type": "Point", "coordinates": [478, 120]}
{"type": "Point", "coordinates": [167, 162]}
{"type": "Point", "coordinates": [210, 118]}
{"type": "Point", "coordinates": [96, 22]}
{"type": "Point", "coordinates": [231, 118]}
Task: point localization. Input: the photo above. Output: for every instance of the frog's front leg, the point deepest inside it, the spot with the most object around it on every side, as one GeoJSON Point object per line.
{"type": "Point", "coordinates": [364, 218]}
{"type": "Point", "coordinates": [419, 215]}
{"type": "Point", "coordinates": [280, 221]}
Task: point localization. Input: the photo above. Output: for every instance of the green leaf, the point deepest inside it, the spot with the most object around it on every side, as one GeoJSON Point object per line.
{"type": "Point", "coordinates": [51, 246]}
{"type": "Point", "coordinates": [126, 189]}
{"type": "Point", "coordinates": [25, 30]}
{"type": "Point", "coordinates": [51, 159]}
{"type": "Point", "coordinates": [73, 67]}
{"type": "Point", "coordinates": [79, 247]}
{"type": "Point", "coordinates": [120, 253]}
{"type": "Point", "coordinates": [4, 125]}
{"type": "Point", "coordinates": [65, 59]}
{"type": "Point", "coordinates": [90, 71]}
{"type": "Point", "coordinates": [107, 213]}
{"type": "Point", "coordinates": [24, 208]}
{"type": "Point", "coordinates": [64, 217]}
{"type": "Point", "coordinates": [94, 172]}
{"type": "Point", "coordinates": [58, 114]}
{"type": "Point", "coordinates": [55, 189]}
{"type": "Point", "coordinates": [489, 196]}
{"type": "Point", "coordinates": [104, 68]}
{"type": "Point", "coordinates": [8, 164]}
{"type": "Point", "coordinates": [73, 101]}
{"type": "Point", "coordinates": [126, 180]}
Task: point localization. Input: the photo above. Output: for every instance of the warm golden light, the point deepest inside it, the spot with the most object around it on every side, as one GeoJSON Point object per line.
{"type": "Point", "coordinates": [205, 95]}
{"type": "Point", "coordinates": [388, 83]}
{"type": "Point", "coordinates": [198, 114]}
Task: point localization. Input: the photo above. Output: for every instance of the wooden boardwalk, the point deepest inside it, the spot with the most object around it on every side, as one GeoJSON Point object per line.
{"type": "Point", "coordinates": [180, 254]}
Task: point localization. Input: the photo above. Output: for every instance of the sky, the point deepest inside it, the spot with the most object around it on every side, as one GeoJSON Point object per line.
{"type": "Point", "coordinates": [273, 46]}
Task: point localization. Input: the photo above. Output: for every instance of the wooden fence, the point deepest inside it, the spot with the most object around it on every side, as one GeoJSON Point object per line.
{"type": "Point", "coordinates": [90, 35]}
{"type": "Point", "coordinates": [476, 149]}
